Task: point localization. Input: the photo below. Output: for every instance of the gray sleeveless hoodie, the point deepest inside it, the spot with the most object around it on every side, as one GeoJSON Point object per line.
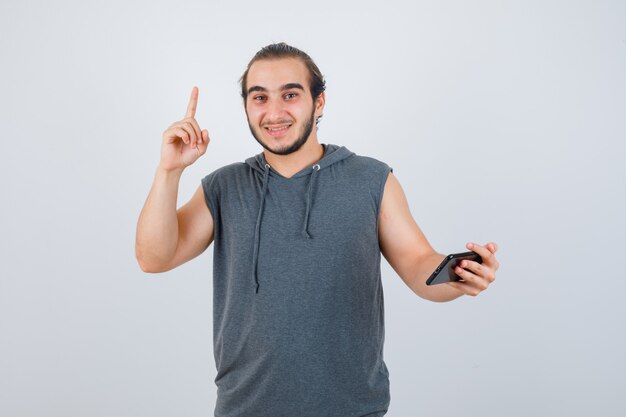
{"type": "Point", "coordinates": [298, 310]}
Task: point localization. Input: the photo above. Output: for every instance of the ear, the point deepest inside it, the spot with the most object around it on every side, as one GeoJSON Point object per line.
{"type": "Point", "coordinates": [319, 104]}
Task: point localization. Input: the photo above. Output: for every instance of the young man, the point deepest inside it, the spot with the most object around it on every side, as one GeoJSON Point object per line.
{"type": "Point", "coordinates": [298, 231]}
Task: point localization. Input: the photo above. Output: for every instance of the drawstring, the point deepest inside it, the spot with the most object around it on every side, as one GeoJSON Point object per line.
{"type": "Point", "coordinates": [305, 231]}
{"type": "Point", "coordinates": [257, 232]}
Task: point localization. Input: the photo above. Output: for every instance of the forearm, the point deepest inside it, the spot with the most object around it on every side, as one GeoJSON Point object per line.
{"type": "Point", "coordinates": [422, 268]}
{"type": "Point", "coordinates": [157, 227]}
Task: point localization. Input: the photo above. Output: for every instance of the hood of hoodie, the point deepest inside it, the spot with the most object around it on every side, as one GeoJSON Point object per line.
{"type": "Point", "coordinates": [332, 154]}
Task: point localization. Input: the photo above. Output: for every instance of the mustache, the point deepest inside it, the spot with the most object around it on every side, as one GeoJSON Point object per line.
{"type": "Point", "coordinates": [278, 122]}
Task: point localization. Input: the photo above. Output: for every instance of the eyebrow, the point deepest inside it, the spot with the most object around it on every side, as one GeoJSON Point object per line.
{"type": "Point", "coordinates": [287, 86]}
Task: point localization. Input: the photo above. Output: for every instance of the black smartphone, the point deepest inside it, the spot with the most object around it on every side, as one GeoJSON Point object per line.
{"type": "Point", "coordinates": [445, 270]}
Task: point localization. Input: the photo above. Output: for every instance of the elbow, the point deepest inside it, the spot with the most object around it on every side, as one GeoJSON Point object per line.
{"type": "Point", "coordinates": [147, 268]}
{"type": "Point", "coordinates": [146, 265]}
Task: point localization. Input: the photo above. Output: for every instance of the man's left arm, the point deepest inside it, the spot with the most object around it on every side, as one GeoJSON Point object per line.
{"type": "Point", "coordinates": [409, 253]}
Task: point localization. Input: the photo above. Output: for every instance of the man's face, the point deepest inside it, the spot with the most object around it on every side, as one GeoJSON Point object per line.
{"type": "Point", "coordinates": [280, 109]}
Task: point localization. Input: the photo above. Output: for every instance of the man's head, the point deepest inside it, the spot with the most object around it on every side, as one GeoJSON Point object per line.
{"type": "Point", "coordinates": [281, 50]}
{"type": "Point", "coordinates": [283, 93]}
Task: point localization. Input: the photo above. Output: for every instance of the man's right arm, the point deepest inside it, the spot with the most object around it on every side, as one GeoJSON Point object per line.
{"type": "Point", "coordinates": [167, 238]}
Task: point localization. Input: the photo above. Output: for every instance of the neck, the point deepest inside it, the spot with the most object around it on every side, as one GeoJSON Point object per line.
{"type": "Point", "coordinates": [288, 165]}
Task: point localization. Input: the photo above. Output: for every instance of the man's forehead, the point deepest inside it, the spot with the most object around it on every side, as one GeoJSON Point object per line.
{"type": "Point", "coordinates": [274, 74]}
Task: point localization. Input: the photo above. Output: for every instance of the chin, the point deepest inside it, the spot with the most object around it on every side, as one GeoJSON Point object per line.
{"type": "Point", "coordinates": [283, 148]}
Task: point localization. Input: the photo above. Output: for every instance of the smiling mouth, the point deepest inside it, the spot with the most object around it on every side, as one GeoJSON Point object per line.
{"type": "Point", "coordinates": [277, 130]}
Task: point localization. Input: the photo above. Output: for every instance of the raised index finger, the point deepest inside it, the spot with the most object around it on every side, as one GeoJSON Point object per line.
{"type": "Point", "coordinates": [193, 103]}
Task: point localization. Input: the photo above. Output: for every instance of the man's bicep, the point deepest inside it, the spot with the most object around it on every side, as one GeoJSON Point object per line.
{"type": "Point", "coordinates": [195, 229]}
{"type": "Point", "coordinates": [401, 240]}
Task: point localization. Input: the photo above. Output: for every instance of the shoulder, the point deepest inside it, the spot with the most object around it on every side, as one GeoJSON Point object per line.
{"type": "Point", "coordinates": [368, 166]}
{"type": "Point", "coordinates": [226, 172]}
{"type": "Point", "coordinates": [368, 161]}
{"type": "Point", "coordinates": [229, 170]}
{"type": "Point", "coordinates": [370, 173]}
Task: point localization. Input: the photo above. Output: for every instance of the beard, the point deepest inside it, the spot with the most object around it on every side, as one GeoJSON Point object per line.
{"type": "Point", "coordinates": [300, 141]}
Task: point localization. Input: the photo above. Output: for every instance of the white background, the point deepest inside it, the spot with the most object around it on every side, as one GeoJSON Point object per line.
{"type": "Point", "coordinates": [503, 121]}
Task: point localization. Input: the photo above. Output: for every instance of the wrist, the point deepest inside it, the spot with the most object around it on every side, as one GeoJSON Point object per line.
{"type": "Point", "coordinates": [169, 172]}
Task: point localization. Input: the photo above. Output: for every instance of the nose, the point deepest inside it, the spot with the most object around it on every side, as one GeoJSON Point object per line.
{"type": "Point", "coordinates": [275, 111]}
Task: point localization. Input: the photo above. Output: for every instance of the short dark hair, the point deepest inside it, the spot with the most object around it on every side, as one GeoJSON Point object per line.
{"type": "Point", "coordinates": [281, 50]}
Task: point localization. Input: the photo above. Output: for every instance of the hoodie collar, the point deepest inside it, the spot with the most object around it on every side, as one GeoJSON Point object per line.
{"type": "Point", "coordinates": [332, 154]}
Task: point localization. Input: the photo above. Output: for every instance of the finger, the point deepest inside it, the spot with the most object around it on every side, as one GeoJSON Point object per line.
{"type": "Point", "coordinates": [181, 133]}
{"type": "Point", "coordinates": [205, 139]}
{"type": "Point", "coordinates": [202, 146]}
{"type": "Point", "coordinates": [493, 247]}
{"type": "Point", "coordinates": [479, 270]}
{"type": "Point", "coordinates": [197, 130]}
{"type": "Point", "coordinates": [484, 253]}
{"type": "Point", "coordinates": [193, 103]}
{"type": "Point", "coordinates": [192, 133]}
{"type": "Point", "coordinates": [471, 279]}
{"type": "Point", "coordinates": [467, 276]}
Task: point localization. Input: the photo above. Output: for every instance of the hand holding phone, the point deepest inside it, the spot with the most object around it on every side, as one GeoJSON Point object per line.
{"type": "Point", "coordinates": [445, 270]}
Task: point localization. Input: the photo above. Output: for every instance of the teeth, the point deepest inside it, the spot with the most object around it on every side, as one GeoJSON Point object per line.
{"type": "Point", "coordinates": [275, 129]}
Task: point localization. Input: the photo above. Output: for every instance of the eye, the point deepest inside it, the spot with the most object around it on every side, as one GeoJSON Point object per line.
{"type": "Point", "coordinates": [289, 96]}
{"type": "Point", "coordinates": [258, 98]}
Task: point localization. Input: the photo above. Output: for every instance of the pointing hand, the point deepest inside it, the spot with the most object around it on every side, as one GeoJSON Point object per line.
{"type": "Point", "coordinates": [183, 141]}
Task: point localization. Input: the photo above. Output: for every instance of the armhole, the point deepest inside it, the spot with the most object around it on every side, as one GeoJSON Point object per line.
{"type": "Point", "coordinates": [381, 190]}
{"type": "Point", "coordinates": [208, 187]}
